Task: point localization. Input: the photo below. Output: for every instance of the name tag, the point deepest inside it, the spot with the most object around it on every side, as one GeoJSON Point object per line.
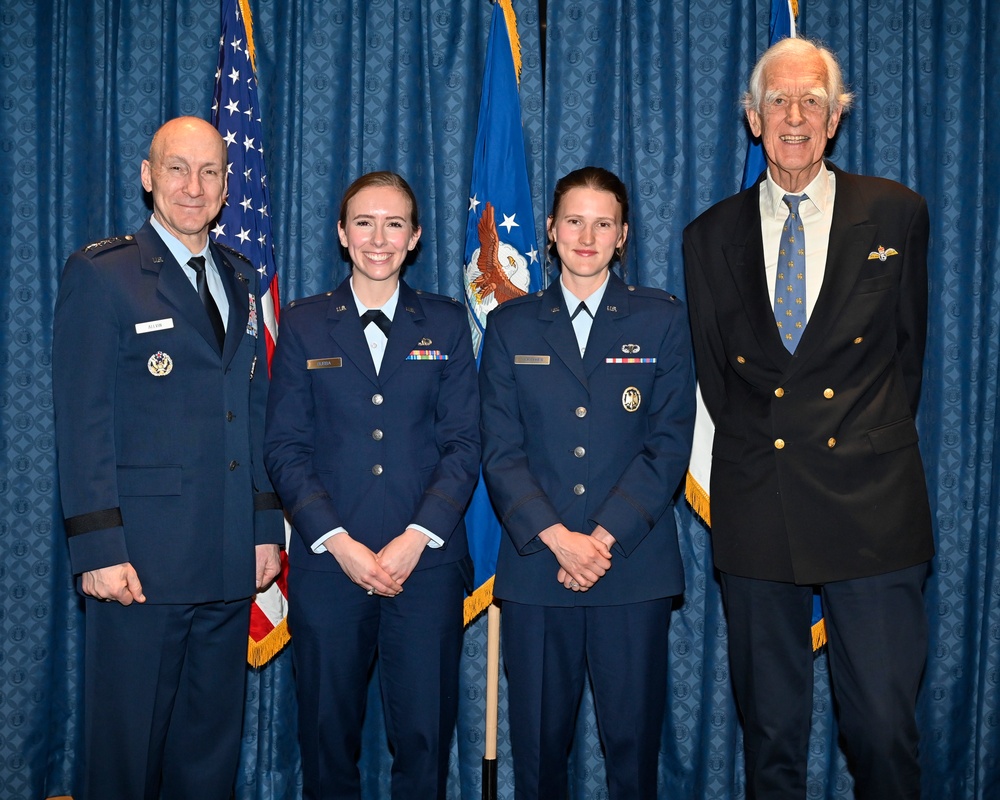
{"type": "Point", "coordinates": [531, 360]}
{"type": "Point", "coordinates": [324, 363]}
{"type": "Point", "coordinates": [630, 361]}
{"type": "Point", "coordinates": [154, 325]}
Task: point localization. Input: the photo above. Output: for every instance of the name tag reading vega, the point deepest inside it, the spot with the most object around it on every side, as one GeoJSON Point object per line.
{"type": "Point", "coordinates": [323, 363]}
{"type": "Point", "coordinates": [544, 360]}
{"type": "Point", "coordinates": [154, 325]}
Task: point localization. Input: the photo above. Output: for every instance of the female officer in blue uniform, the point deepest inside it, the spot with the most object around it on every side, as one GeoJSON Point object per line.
{"type": "Point", "coordinates": [373, 445]}
{"type": "Point", "coordinates": [587, 416]}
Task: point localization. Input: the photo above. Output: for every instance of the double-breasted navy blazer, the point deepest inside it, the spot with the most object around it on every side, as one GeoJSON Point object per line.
{"type": "Point", "coordinates": [816, 474]}
{"type": "Point", "coordinates": [598, 440]}
{"type": "Point", "coordinates": [374, 453]}
{"type": "Point", "coordinates": [160, 435]}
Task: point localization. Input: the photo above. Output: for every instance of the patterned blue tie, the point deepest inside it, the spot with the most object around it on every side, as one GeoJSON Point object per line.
{"type": "Point", "coordinates": [790, 281]}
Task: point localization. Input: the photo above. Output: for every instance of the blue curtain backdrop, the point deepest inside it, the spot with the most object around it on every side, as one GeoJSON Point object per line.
{"type": "Point", "coordinates": [649, 89]}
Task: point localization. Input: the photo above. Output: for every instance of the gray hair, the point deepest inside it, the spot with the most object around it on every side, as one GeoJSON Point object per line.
{"type": "Point", "coordinates": [838, 96]}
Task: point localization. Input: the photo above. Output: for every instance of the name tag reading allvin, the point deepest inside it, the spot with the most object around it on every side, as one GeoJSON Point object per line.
{"type": "Point", "coordinates": [154, 325]}
{"type": "Point", "coordinates": [531, 360]}
{"type": "Point", "coordinates": [323, 363]}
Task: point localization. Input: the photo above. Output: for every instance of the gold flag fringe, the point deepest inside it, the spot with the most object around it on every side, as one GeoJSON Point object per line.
{"type": "Point", "coordinates": [477, 602]}
{"type": "Point", "coordinates": [819, 635]}
{"type": "Point", "coordinates": [259, 653]}
{"type": "Point", "coordinates": [697, 498]}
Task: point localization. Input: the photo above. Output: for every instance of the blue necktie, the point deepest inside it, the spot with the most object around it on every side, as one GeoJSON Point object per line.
{"type": "Point", "coordinates": [790, 280]}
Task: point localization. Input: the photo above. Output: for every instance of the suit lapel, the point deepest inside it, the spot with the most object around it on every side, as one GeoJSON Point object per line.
{"type": "Point", "coordinates": [405, 334]}
{"type": "Point", "coordinates": [851, 237]}
{"type": "Point", "coordinates": [345, 329]}
{"type": "Point", "coordinates": [606, 333]}
{"type": "Point", "coordinates": [559, 332]}
{"type": "Point", "coordinates": [745, 257]}
{"type": "Point", "coordinates": [172, 284]}
{"type": "Point", "coordinates": [237, 284]}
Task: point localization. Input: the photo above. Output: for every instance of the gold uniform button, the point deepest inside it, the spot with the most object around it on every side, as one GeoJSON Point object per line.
{"type": "Point", "coordinates": [579, 452]}
{"type": "Point", "coordinates": [779, 444]}
{"type": "Point", "coordinates": [377, 469]}
{"type": "Point", "coordinates": [859, 340]}
{"type": "Point", "coordinates": [779, 392]}
{"type": "Point", "coordinates": [740, 360]}
{"type": "Point", "coordinates": [377, 399]}
{"type": "Point", "coordinates": [831, 443]}
{"type": "Point", "coordinates": [828, 393]}
{"type": "Point", "coordinates": [377, 435]}
{"type": "Point", "coordinates": [579, 489]}
{"type": "Point", "coordinates": [581, 412]}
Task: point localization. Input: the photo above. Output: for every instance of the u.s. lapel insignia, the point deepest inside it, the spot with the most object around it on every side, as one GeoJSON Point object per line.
{"type": "Point", "coordinates": [242, 278]}
{"type": "Point", "coordinates": [157, 259]}
{"type": "Point", "coordinates": [160, 364]}
{"type": "Point", "coordinates": [631, 399]}
{"type": "Point", "coordinates": [425, 342]}
{"type": "Point", "coordinates": [882, 253]}
{"type": "Point", "coordinates": [341, 309]}
{"type": "Point", "coordinates": [630, 348]}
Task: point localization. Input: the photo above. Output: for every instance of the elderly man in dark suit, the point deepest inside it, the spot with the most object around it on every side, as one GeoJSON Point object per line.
{"type": "Point", "coordinates": [808, 297]}
{"type": "Point", "coordinates": [160, 385]}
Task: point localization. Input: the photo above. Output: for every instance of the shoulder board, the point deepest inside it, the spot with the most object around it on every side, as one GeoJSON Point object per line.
{"type": "Point", "coordinates": [432, 296]}
{"type": "Point", "coordinates": [108, 244]}
{"type": "Point", "coordinates": [524, 298]}
{"type": "Point", "coordinates": [651, 292]}
{"type": "Point", "coordinates": [304, 301]}
{"type": "Point", "coordinates": [231, 251]}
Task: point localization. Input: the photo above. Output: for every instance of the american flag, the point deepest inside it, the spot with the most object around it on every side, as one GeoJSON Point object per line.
{"type": "Point", "coordinates": [245, 225]}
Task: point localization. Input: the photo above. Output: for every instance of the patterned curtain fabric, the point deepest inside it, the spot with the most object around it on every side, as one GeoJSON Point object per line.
{"type": "Point", "coordinates": [649, 90]}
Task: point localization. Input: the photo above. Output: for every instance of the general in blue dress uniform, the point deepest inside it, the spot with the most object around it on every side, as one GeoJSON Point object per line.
{"type": "Point", "coordinates": [172, 523]}
{"type": "Point", "coordinates": [373, 445]}
{"type": "Point", "coordinates": [587, 417]}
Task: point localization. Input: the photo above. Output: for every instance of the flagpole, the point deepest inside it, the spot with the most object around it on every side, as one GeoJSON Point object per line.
{"type": "Point", "coordinates": [492, 701]}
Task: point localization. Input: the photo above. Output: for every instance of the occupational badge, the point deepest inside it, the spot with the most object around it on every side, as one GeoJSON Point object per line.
{"type": "Point", "coordinates": [882, 253]}
{"type": "Point", "coordinates": [425, 342]}
{"type": "Point", "coordinates": [631, 398]}
{"type": "Point", "coordinates": [630, 348]}
{"type": "Point", "coordinates": [160, 364]}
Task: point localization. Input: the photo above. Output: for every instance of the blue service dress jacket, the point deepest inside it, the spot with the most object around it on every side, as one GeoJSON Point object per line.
{"type": "Point", "coordinates": [159, 434]}
{"type": "Point", "coordinates": [598, 440]}
{"type": "Point", "coordinates": [374, 453]}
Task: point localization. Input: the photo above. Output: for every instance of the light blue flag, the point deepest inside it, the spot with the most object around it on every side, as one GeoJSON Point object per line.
{"type": "Point", "coordinates": [501, 250]}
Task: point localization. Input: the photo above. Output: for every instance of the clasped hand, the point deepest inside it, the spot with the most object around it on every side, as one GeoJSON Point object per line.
{"type": "Point", "coordinates": [381, 573]}
{"type": "Point", "coordinates": [583, 558]}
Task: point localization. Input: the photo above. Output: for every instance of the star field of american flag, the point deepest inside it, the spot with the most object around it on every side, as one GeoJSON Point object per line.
{"type": "Point", "coordinates": [245, 225]}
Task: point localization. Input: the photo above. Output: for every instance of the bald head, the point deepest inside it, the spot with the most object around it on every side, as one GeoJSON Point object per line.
{"type": "Point", "coordinates": [186, 174]}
